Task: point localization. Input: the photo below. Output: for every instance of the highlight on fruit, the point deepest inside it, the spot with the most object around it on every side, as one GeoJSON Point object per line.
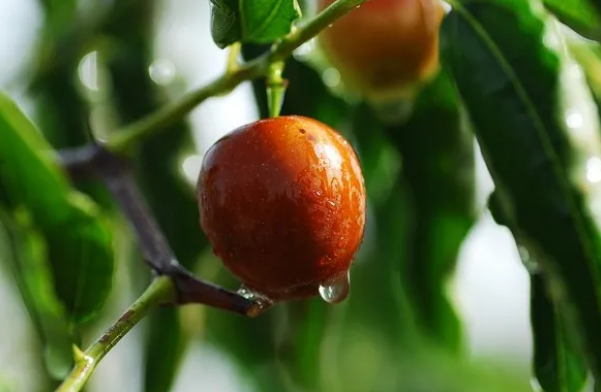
{"type": "Point", "coordinates": [282, 201]}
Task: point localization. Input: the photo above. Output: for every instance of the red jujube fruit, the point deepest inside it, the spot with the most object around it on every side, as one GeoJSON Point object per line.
{"type": "Point", "coordinates": [282, 201]}
{"type": "Point", "coordinates": [386, 48]}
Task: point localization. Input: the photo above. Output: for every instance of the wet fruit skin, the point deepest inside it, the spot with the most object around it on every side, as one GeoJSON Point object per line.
{"type": "Point", "coordinates": [282, 201]}
{"type": "Point", "coordinates": [385, 48]}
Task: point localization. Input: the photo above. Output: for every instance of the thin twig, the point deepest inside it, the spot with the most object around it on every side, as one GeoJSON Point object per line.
{"type": "Point", "coordinates": [156, 122]}
{"type": "Point", "coordinates": [155, 248]}
{"type": "Point", "coordinates": [161, 290]}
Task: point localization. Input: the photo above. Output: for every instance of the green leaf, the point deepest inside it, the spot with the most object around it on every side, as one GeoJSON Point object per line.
{"type": "Point", "coordinates": [580, 15]}
{"type": "Point", "coordinates": [537, 126]}
{"type": "Point", "coordinates": [251, 21]}
{"type": "Point", "coordinates": [588, 55]}
{"type": "Point", "coordinates": [265, 21]}
{"type": "Point", "coordinates": [33, 277]}
{"type": "Point", "coordinates": [438, 168]}
{"type": "Point", "coordinates": [558, 366]}
{"type": "Point", "coordinates": [79, 245]}
{"type": "Point", "coordinates": [225, 22]}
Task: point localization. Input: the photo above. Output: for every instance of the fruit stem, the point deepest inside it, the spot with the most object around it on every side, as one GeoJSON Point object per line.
{"type": "Point", "coordinates": [134, 133]}
{"type": "Point", "coordinates": [160, 290]}
{"type": "Point", "coordinates": [276, 88]}
{"type": "Point", "coordinates": [232, 57]}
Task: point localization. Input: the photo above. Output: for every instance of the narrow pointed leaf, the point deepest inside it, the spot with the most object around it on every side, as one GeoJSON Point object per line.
{"type": "Point", "coordinates": [537, 125]}
{"type": "Point", "coordinates": [558, 365]}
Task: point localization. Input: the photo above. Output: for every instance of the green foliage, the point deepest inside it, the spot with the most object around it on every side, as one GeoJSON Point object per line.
{"type": "Point", "coordinates": [33, 277]}
{"type": "Point", "coordinates": [557, 363]}
{"type": "Point", "coordinates": [78, 241]}
{"type": "Point", "coordinates": [539, 183]}
{"type": "Point", "coordinates": [438, 169]}
{"type": "Point", "coordinates": [251, 21]}
{"type": "Point", "coordinates": [578, 14]}
{"type": "Point", "coordinates": [510, 77]}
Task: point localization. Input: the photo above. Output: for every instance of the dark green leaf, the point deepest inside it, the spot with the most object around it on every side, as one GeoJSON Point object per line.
{"type": "Point", "coordinates": [523, 97]}
{"type": "Point", "coordinates": [79, 245]}
{"type": "Point", "coordinates": [225, 22]}
{"type": "Point", "coordinates": [265, 21]}
{"type": "Point", "coordinates": [251, 21]}
{"type": "Point", "coordinates": [438, 169]}
{"type": "Point", "coordinates": [558, 366]}
{"type": "Point", "coordinates": [59, 13]}
{"type": "Point", "coordinates": [580, 15]}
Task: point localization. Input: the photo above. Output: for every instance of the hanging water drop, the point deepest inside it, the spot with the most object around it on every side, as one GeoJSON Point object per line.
{"type": "Point", "coordinates": [336, 290]}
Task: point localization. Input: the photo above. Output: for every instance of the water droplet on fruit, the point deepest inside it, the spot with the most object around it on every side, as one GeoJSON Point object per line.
{"type": "Point", "coordinates": [336, 290]}
{"type": "Point", "coordinates": [331, 205]}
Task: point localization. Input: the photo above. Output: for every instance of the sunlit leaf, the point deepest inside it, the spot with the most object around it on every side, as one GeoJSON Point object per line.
{"type": "Point", "coordinates": [251, 21]}
{"type": "Point", "coordinates": [31, 272]}
{"type": "Point", "coordinates": [265, 21]}
{"type": "Point", "coordinates": [79, 245]}
{"type": "Point", "coordinates": [580, 15]}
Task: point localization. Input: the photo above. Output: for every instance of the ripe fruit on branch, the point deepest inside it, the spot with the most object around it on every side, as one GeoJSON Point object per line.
{"type": "Point", "coordinates": [386, 48]}
{"type": "Point", "coordinates": [282, 201]}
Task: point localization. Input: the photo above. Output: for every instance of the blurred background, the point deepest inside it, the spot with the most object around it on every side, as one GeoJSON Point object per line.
{"type": "Point", "coordinates": [490, 288]}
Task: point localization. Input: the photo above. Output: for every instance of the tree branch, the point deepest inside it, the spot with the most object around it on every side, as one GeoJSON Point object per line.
{"type": "Point", "coordinates": [161, 290]}
{"type": "Point", "coordinates": [155, 249]}
{"type": "Point", "coordinates": [136, 132]}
